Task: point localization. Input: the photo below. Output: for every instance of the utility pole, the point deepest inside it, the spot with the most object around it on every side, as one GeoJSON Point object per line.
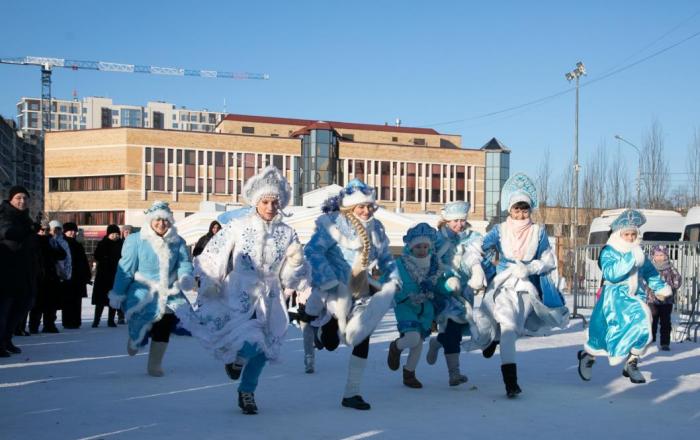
{"type": "Point", "coordinates": [575, 74]}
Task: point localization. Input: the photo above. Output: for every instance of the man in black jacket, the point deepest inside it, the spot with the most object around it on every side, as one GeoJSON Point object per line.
{"type": "Point", "coordinates": [48, 282]}
{"type": "Point", "coordinates": [18, 265]}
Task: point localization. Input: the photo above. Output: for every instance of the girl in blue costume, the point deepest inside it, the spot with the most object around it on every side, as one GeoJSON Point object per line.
{"type": "Point", "coordinates": [241, 316]}
{"type": "Point", "coordinates": [418, 268]}
{"type": "Point", "coordinates": [620, 325]}
{"type": "Point", "coordinates": [459, 269]}
{"type": "Point", "coordinates": [346, 243]}
{"type": "Point", "coordinates": [152, 273]}
{"type": "Point", "coordinates": [524, 295]}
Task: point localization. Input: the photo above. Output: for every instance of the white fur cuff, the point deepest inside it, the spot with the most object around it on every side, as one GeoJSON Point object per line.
{"type": "Point", "coordinates": [295, 254]}
{"type": "Point", "coordinates": [453, 284]}
{"type": "Point", "coordinates": [187, 283]}
{"type": "Point", "coordinates": [478, 279]}
{"type": "Point", "coordinates": [535, 267]}
{"type": "Point", "coordinates": [664, 293]}
{"type": "Point", "coordinates": [519, 270]}
{"type": "Point", "coordinates": [638, 254]}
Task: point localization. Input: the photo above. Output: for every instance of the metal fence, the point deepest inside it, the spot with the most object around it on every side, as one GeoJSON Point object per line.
{"type": "Point", "coordinates": [684, 255]}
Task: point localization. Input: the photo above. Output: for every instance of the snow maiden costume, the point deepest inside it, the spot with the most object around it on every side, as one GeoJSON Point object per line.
{"type": "Point", "coordinates": [241, 315]}
{"type": "Point", "coordinates": [413, 303]}
{"type": "Point", "coordinates": [151, 275]}
{"type": "Point", "coordinates": [341, 252]}
{"type": "Point", "coordinates": [524, 295]}
{"type": "Point", "coordinates": [454, 296]}
{"type": "Point", "coordinates": [620, 324]}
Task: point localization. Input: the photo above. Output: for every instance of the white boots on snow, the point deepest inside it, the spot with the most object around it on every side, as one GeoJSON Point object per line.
{"type": "Point", "coordinates": [630, 369]}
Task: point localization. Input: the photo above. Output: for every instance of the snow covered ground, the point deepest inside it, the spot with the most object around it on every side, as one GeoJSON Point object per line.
{"type": "Point", "coordinates": [80, 384]}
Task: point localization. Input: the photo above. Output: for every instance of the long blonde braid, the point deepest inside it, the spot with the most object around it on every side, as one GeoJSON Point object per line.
{"type": "Point", "coordinates": [359, 284]}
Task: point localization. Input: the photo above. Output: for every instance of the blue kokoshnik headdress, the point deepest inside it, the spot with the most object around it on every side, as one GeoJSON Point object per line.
{"type": "Point", "coordinates": [455, 211]}
{"type": "Point", "coordinates": [160, 209]}
{"type": "Point", "coordinates": [629, 219]}
{"type": "Point", "coordinates": [518, 188]}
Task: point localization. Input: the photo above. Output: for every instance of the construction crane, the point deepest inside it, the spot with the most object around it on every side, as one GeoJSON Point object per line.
{"type": "Point", "coordinates": [47, 64]}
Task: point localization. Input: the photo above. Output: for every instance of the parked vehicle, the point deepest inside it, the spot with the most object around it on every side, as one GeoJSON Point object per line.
{"type": "Point", "coordinates": [691, 226]}
{"type": "Point", "coordinates": [661, 225]}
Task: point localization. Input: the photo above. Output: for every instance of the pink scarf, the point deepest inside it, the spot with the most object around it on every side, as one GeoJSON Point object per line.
{"type": "Point", "coordinates": [519, 231]}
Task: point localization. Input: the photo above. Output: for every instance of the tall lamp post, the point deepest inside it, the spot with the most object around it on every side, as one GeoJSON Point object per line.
{"type": "Point", "coordinates": [575, 74]}
{"type": "Point", "coordinates": [639, 165]}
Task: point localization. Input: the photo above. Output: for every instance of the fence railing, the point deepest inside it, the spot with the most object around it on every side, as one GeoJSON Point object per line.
{"type": "Point", "coordinates": [684, 255]}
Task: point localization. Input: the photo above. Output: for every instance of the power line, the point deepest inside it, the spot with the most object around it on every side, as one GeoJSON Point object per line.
{"type": "Point", "coordinates": [568, 90]}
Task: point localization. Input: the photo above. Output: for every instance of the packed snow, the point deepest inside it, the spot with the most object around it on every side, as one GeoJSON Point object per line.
{"type": "Point", "coordinates": [81, 384]}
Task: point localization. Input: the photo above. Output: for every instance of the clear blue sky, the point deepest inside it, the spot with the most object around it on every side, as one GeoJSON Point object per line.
{"type": "Point", "coordinates": [374, 61]}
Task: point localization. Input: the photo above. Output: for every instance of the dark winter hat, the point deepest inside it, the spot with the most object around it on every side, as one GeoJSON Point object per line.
{"type": "Point", "coordinates": [17, 189]}
{"type": "Point", "coordinates": [112, 229]}
{"type": "Point", "coordinates": [70, 226]}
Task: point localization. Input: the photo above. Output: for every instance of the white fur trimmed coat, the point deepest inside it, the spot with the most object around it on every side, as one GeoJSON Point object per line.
{"type": "Point", "coordinates": [243, 271]}
{"type": "Point", "coordinates": [150, 277]}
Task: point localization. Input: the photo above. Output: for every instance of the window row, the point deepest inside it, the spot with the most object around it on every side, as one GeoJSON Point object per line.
{"type": "Point", "coordinates": [91, 183]}
{"type": "Point", "coordinates": [82, 218]}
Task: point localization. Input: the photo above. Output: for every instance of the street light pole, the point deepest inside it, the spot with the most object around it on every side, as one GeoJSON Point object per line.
{"type": "Point", "coordinates": [639, 165]}
{"type": "Point", "coordinates": [575, 74]}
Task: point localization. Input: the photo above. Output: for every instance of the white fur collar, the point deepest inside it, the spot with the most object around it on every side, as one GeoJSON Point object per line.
{"type": "Point", "coordinates": [160, 247]}
{"type": "Point", "coordinates": [619, 244]}
{"type": "Point", "coordinates": [507, 243]}
{"type": "Point", "coordinates": [623, 246]}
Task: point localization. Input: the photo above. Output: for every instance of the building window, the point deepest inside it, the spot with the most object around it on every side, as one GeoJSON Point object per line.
{"type": "Point", "coordinates": [394, 139]}
{"type": "Point", "coordinates": [190, 171]}
{"type": "Point", "coordinates": [106, 117]}
{"type": "Point", "coordinates": [385, 193]}
{"type": "Point", "coordinates": [158, 120]}
{"type": "Point", "coordinates": [349, 137]}
{"type": "Point", "coordinates": [248, 130]}
{"type": "Point", "coordinates": [411, 182]}
{"type": "Point", "coordinates": [93, 218]}
{"type": "Point", "coordinates": [360, 169]}
{"type": "Point", "coordinates": [91, 183]}
{"type": "Point", "coordinates": [459, 181]}
{"type": "Point", "coordinates": [435, 180]}
{"type": "Point", "coordinates": [419, 141]}
{"type": "Point", "coordinates": [159, 169]}
{"type": "Point", "coordinates": [219, 172]}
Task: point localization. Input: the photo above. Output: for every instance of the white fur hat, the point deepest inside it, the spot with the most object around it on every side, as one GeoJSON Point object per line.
{"type": "Point", "coordinates": [268, 183]}
{"type": "Point", "coordinates": [160, 209]}
{"type": "Point", "coordinates": [55, 224]}
{"type": "Point", "coordinates": [356, 192]}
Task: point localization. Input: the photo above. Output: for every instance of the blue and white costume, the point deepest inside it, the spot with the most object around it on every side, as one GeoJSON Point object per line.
{"type": "Point", "coordinates": [459, 269]}
{"type": "Point", "coordinates": [151, 275]}
{"type": "Point", "coordinates": [243, 271]}
{"type": "Point", "coordinates": [620, 324]}
{"type": "Point", "coordinates": [342, 252]}
{"type": "Point", "coordinates": [413, 307]}
{"type": "Point", "coordinates": [524, 295]}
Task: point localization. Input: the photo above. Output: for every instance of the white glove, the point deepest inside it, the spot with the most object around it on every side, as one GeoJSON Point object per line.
{"type": "Point", "coordinates": [664, 293]}
{"type": "Point", "coordinates": [114, 301]}
{"type": "Point", "coordinates": [453, 284]}
{"type": "Point", "coordinates": [187, 283]}
{"type": "Point", "coordinates": [638, 255]}
{"type": "Point", "coordinates": [295, 254]}
{"type": "Point", "coordinates": [519, 270]}
{"type": "Point", "coordinates": [535, 267]}
{"type": "Point", "coordinates": [478, 280]}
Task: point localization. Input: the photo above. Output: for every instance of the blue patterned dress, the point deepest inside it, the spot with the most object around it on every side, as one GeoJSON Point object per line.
{"type": "Point", "coordinates": [620, 323]}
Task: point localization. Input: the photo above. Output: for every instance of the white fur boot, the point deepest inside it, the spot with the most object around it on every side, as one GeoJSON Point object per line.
{"type": "Point", "coordinates": [155, 358]}
{"type": "Point", "coordinates": [631, 370]}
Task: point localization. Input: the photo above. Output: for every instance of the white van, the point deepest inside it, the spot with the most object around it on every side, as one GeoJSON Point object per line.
{"type": "Point", "coordinates": [691, 226]}
{"type": "Point", "coordinates": [661, 225]}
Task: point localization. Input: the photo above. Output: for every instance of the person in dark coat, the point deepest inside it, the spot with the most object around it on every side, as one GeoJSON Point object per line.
{"type": "Point", "coordinates": [48, 282]}
{"type": "Point", "coordinates": [76, 287]}
{"type": "Point", "coordinates": [107, 254]}
{"type": "Point", "coordinates": [214, 227]}
{"type": "Point", "coordinates": [18, 265]}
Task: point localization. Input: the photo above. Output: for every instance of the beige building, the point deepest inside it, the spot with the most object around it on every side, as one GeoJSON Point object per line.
{"type": "Point", "coordinates": [102, 176]}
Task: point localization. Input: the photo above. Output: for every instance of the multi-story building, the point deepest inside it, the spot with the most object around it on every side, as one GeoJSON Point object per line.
{"type": "Point", "coordinates": [102, 176]}
{"type": "Point", "coordinates": [96, 112]}
{"type": "Point", "coordinates": [20, 164]}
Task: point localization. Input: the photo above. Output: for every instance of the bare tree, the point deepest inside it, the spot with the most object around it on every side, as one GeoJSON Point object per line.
{"type": "Point", "coordinates": [654, 168]}
{"type": "Point", "coordinates": [694, 169]}
{"type": "Point", "coordinates": [594, 176]}
{"type": "Point", "coordinates": [618, 184]}
{"type": "Point", "coordinates": [543, 177]}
